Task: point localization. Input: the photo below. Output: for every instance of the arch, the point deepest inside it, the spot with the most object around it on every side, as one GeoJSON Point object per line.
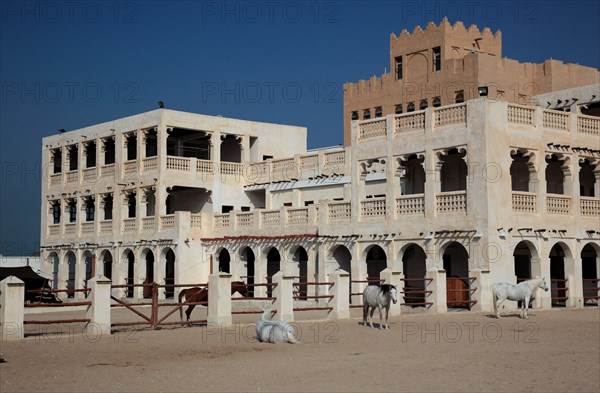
{"type": "Point", "coordinates": [273, 266]}
{"type": "Point", "coordinates": [71, 267]}
{"type": "Point", "coordinates": [555, 175]}
{"type": "Point", "coordinates": [53, 261]}
{"type": "Point", "coordinates": [453, 171]}
{"type": "Point", "coordinates": [247, 257]}
{"type": "Point", "coordinates": [343, 257]}
{"type": "Point", "coordinates": [300, 257]}
{"type": "Point", "coordinates": [224, 260]}
{"type": "Point", "coordinates": [88, 259]}
{"type": "Point", "coordinates": [129, 280]}
{"type": "Point", "coordinates": [376, 260]}
{"type": "Point", "coordinates": [231, 150]}
{"type": "Point", "coordinates": [526, 261]}
{"type": "Point", "coordinates": [558, 253]}
{"type": "Point", "coordinates": [413, 181]}
{"type": "Point", "coordinates": [169, 256]}
{"type": "Point", "coordinates": [456, 263]}
{"type": "Point", "coordinates": [107, 263]}
{"type": "Point", "coordinates": [148, 256]}
{"type": "Point", "coordinates": [414, 266]}
{"type": "Point", "coordinates": [590, 259]}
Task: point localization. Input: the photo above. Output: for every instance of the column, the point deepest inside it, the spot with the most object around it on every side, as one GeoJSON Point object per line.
{"type": "Point", "coordinates": [483, 293]}
{"type": "Point", "coordinates": [13, 308]}
{"type": "Point", "coordinates": [438, 288]}
{"type": "Point", "coordinates": [341, 295]}
{"type": "Point", "coordinates": [219, 299]}
{"type": "Point", "coordinates": [284, 302]}
{"type": "Point", "coordinates": [99, 311]}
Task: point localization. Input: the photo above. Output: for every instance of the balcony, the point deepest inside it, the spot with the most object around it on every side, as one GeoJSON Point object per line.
{"type": "Point", "coordinates": [88, 228]}
{"type": "Point", "coordinates": [339, 212]}
{"type": "Point", "coordinates": [524, 202]}
{"type": "Point", "coordinates": [451, 202]}
{"type": "Point", "coordinates": [558, 204]}
{"type": "Point", "coordinates": [410, 205]}
{"type": "Point", "coordinates": [372, 208]}
{"type": "Point", "coordinates": [589, 206]}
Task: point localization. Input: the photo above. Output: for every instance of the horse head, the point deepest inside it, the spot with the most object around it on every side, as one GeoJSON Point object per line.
{"type": "Point", "coordinates": [393, 293]}
{"type": "Point", "coordinates": [543, 284]}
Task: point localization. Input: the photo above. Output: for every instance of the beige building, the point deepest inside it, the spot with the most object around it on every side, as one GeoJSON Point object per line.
{"type": "Point", "coordinates": [450, 198]}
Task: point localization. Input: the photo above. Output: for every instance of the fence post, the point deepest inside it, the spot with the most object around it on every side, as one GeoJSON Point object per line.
{"type": "Point", "coordinates": [341, 295]}
{"type": "Point", "coordinates": [482, 293]}
{"type": "Point", "coordinates": [438, 288]}
{"type": "Point", "coordinates": [99, 311]}
{"type": "Point", "coordinates": [393, 278]}
{"type": "Point", "coordinates": [219, 299]}
{"type": "Point", "coordinates": [12, 298]}
{"type": "Point", "coordinates": [284, 294]}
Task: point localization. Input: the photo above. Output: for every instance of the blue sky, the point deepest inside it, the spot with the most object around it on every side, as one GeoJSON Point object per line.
{"type": "Point", "coordinates": [68, 65]}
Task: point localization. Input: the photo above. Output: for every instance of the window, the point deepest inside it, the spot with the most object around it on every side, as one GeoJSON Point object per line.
{"type": "Point", "coordinates": [410, 107]}
{"type": "Point", "coordinates": [131, 206]}
{"type": "Point", "coordinates": [109, 151]}
{"type": "Point", "coordinates": [436, 102]}
{"type": "Point", "coordinates": [423, 104]}
{"type": "Point", "coordinates": [245, 208]}
{"type": "Point", "coordinates": [265, 158]}
{"type": "Point", "coordinates": [89, 210]}
{"type": "Point", "coordinates": [308, 203]}
{"type": "Point", "coordinates": [56, 212]}
{"type": "Point", "coordinates": [226, 209]}
{"type": "Point", "coordinates": [398, 109]}
{"type": "Point", "coordinates": [73, 152]}
{"type": "Point", "coordinates": [354, 115]}
{"type": "Point", "coordinates": [460, 97]}
{"type": "Point", "coordinates": [57, 160]}
{"type": "Point", "coordinates": [378, 111]}
{"type": "Point", "coordinates": [108, 207]}
{"type": "Point", "coordinates": [72, 211]}
{"type": "Point", "coordinates": [131, 142]}
{"type": "Point", "coordinates": [90, 155]}
{"type": "Point", "coordinates": [366, 114]}
{"type": "Point", "coordinates": [398, 61]}
{"type": "Point", "coordinates": [437, 59]}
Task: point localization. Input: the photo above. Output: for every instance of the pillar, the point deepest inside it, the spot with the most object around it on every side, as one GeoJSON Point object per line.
{"type": "Point", "coordinates": [99, 311]}
{"type": "Point", "coordinates": [341, 295]}
{"type": "Point", "coordinates": [482, 293]}
{"type": "Point", "coordinates": [219, 299]}
{"type": "Point", "coordinates": [13, 308]}
{"type": "Point", "coordinates": [438, 288]}
{"type": "Point", "coordinates": [284, 297]}
{"type": "Point", "coordinates": [391, 277]}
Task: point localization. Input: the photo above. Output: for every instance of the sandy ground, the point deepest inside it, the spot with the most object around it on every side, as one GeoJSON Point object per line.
{"type": "Point", "coordinates": [553, 351]}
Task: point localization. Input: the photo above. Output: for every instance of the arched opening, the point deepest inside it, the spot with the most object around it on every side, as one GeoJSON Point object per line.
{"type": "Point", "coordinates": [557, 276]}
{"type": "Point", "coordinates": [230, 148]}
{"type": "Point", "coordinates": [149, 274]}
{"type": "Point", "coordinates": [224, 261]}
{"type": "Point", "coordinates": [273, 266]}
{"type": "Point", "coordinates": [519, 172]}
{"type": "Point", "coordinates": [71, 262]}
{"type": "Point", "coordinates": [587, 179]}
{"type": "Point", "coordinates": [589, 275]}
{"type": "Point", "coordinates": [458, 284]}
{"type": "Point", "coordinates": [130, 272]}
{"type": "Point", "coordinates": [413, 181]}
{"type": "Point", "coordinates": [247, 257]}
{"type": "Point", "coordinates": [54, 263]}
{"type": "Point", "coordinates": [107, 261]}
{"type": "Point", "coordinates": [376, 262]}
{"type": "Point", "coordinates": [300, 257]}
{"type": "Point", "coordinates": [88, 259]}
{"type": "Point", "coordinates": [522, 262]}
{"type": "Point", "coordinates": [555, 177]}
{"type": "Point", "coordinates": [170, 274]}
{"type": "Point", "coordinates": [343, 257]}
{"type": "Point", "coordinates": [453, 172]}
{"type": "Point", "coordinates": [414, 268]}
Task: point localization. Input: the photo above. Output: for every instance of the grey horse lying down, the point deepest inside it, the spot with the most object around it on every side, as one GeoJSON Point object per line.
{"type": "Point", "coordinates": [275, 332]}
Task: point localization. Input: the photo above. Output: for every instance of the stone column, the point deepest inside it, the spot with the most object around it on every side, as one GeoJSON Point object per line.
{"type": "Point", "coordinates": [483, 293]}
{"type": "Point", "coordinates": [341, 295]}
{"type": "Point", "coordinates": [13, 308]}
{"type": "Point", "coordinates": [260, 273]}
{"type": "Point", "coordinates": [99, 311]}
{"type": "Point", "coordinates": [219, 299]}
{"type": "Point", "coordinates": [544, 298]}
{"type": "Point", "coordinates": [79, 274]}
{"type": "Point", "coordinates": [391, 277]}
{"type": "Point", "coordinates": [438, 288]}
{"type": "Point", "coordinates": [284, 302]}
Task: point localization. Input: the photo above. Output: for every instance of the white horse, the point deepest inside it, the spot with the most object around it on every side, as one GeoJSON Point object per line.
{"type": "Point", "coordinates": [275, 332]}
{"type": "Point", "coordinates": [523, 291]}
{"type": "Point", "coordinates": [380, 297]}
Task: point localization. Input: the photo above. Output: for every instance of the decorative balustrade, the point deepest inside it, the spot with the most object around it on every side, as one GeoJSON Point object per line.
{"type": "Point", "coordinates": [285, 169]}
{"type": "Point", "coordinates": [258, 172]}
{"type": "Point", "coordinates": [451, 115]}
{"type": "Point", "coordinates": [72, 177]}
{"type": "Point", "coordinates": [148, 224]}
{"type": "Point", "coordinates": [524, 202]}
{"type": "Point", "coordinates": [106, 227]}
{"type": "Point", "coordinates": [335, 158]}
{"type": "Point", "coordinates": [70, 229]}
{"type": "Point", "coordinates": [178, 163]}
{"type": "Point", "coordinates": [558, 204]}
{"type": "Point", "coordinates": [410, 205]}
{"type": "Point", "coordinates": [221, 221]}
{"type": "Point", "coordinates": [556, 120]}
{"type": "Point", "coordinates": [339, 211]}
{"type": "Point", "coordinates": [297, 216]}
{"type": "Point", "coordinates": [196, 221]}
{"type": "Point", "coordinates": [372, 208]}
{"type": "Point", "coordinates": [372, 128]}
{"type": "Point", "coordinates": [590, 206]}
{"type": "Point", "coordinates": [309, 162]}
{"type": "Point", "coordinates": [90, 175]}
{"type": "Point", "coordinates": [167, 222]}
{"type": "Point", "coordinates": [409, 122]}
{"type": "Point", "coordinates": [53, 230]}
{"type": "Point", "coordinates": [88, 228]}
{"type": "Point", "coordinates": [521, 115]}
{"type": "Point", "coordinates": [150, 164]}
{"type": "Point", "coordinates": [232, 168]}
{"type": "Point", "coordinates": [130, 169]}
{"type": "Point", "coordinates": [588, 125]}
{"type": "Point", "coordinates": [129, 225]}
{"type": "Point", "coordinates": [107, 171]}
{"type": "Point", "coordinates": [452, 202]}
{"type": "Point", "coordinates": [270, 217]}
{"type": "Point", "coordinates": [55, 179]}
{"type": "Point", "coordinates": [245, 220]}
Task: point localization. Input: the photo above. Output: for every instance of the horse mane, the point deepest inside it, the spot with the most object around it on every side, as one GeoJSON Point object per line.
{"type": "Point", "coordinates": [385, 288]}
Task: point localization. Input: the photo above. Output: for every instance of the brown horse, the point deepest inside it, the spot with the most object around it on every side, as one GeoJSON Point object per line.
{"type": "Point", "coordinates": [196, 295]}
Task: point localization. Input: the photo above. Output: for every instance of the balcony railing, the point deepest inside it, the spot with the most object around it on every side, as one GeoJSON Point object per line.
{"type": "Point", "coordinates": [371, 208]}
{"type": "Point", "coordinates": [148, 224]}
{"type": "Point", "coordinates": [518, 114]}
{"type": "Point", "coordinates": [130, 169]}
{"type": "Point", "coordinates": [221, 221]}
{"type": "Point", "coordinates": [107, 172]}
{"type": "Point", "coordinates": [297, 216]}
{"type": "Point", "coordinates": [88, 228]}
{"type": "Point", "coordinates": [372, 128]}
{"type": "Point", "coordinates": [178, 163]}
{"type": "Point", "coordinates": [456, 114]}
{"type": "Point", "coordinates": [106, 227]}
{"type": "Point", "coordinates": [590, 206]}
{"type": "Point", "coordinates": [167, 222]}
{"type": "Point", "coordinates": [407, 205]}
{"type": "Point", "coordinates": [270, 217]}
{"type": "Point", "coordinates": [452, 202]}
{"type": "Point", "coordinates": [196, 221]}
{"type": "Point", "coordinates": [339, 211]}
{"type": "Point", "coordinates": [55, 179]}
{"type": "Point", "coordinates": [90, 175]}
{"type": "Point", "coordinates": [72, 177]}
{"type": "Point", "coordinates": [71, 229]}
{"type": "Point", "coordinates": [53, 230]}
{"type": "Point", "coordinates": [558, 204]}
{"type": "Point", "coordinates": [150, 164]}
{"type": "Point", "coordinates": [129, 225]}
{"type": "Point", "coordinates": [244, 220]}
{"type": "Point", "coordinates": [556, 120]}
{"type": "Point", "coordinates": [524, 202]}
{"type": "Point", "coordinates": [588, 125]}
{"type": "Point", "coordinates": [409, 122]}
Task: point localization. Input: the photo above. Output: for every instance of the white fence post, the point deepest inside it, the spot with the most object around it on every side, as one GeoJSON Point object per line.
{"type": "Point", "coordinates": [393, 278]}
{"type": "Point", "coordinates": [438, 288]}
{"type": "Point", "coordinates": [341, 295]}
{"type": "Point", "coordinates": [483, 291]}
{"type": "Point", "coordinates": [219, 299]}
{"type": "Point", "coordinates": [99, 311]}
{"type": "Point", "coordinates": [284, 294]}
{"type": "Point", "coordinates": [13, 308]}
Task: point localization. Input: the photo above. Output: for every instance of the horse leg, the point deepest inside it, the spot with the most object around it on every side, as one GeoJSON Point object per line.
{"type": "Point", "coordinates": [365, 312]}
{"type": "Point", "coordinates": [525, 307]}
{"type": "Point", "coordinates": [371, 316]}
{"type": "Point", "coordinates": [189, 310]}
{"type": "Point", "coordinates": [380, 317]}
{"type": "Point", "coordinates": [498, 307]}
{"type": "Point", "coordinates": [387, 313]}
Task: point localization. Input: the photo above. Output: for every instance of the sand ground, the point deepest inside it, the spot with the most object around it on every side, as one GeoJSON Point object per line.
{"type": "Point", "coordinates": [552, 351]}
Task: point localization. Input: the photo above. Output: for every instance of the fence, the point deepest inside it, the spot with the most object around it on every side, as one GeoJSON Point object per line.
{"type": "Point", "coordinates": [414, 296]}
{"type": "Point", "coordinates": [459, 290]}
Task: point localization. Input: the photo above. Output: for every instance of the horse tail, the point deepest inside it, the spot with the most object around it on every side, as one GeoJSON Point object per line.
{"type": "Point", "coordinates": [494, 299]}
{"type": "Point", "coordinates": [291, 338]}
{"type": "Point", "coordinates": [181, 296]}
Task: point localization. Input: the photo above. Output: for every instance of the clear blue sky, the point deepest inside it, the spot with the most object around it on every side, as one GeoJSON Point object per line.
{"type": "Point", "coordinates": [66, 65]}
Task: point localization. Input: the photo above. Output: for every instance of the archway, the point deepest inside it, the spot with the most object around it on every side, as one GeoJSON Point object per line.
{"type": "Point", "coordinates": [458, 284]}
{"type": "Point", "coordinates": [129, 280]}
{"type": "Point", "coordinates": [224, 261]}
{"type": "Point", "coordinates": [88, 259]}
{"type": "Point", "coordinates": [589, 275]}
{"type": "Point", "coordinates": [376, 262]}
{"type": "Point", "coordinates": [300, 257]}
{"type": "Point", "coordinates": [149, 274]}
{"type": "Point", "coordinates": [54, 264]}
{"type": "Point", "coordinates": [343, 257]}
{"type": "Point", "coordinates": [273, 266]}
{"type": "Point", "coordinates": [169, 274]}
{"type": "Point", "coordinates": [107, 261]}
{"type": "Point", "coordinates": [557, 276]}
{"type": "Point", "coordinates": [526, 263]}
{"type": "Point", "coordinates": [71, 262]}
{"type": "Point", "coordinates": [247, 257]}
{"type": "Point", "coordinates": [414, 268]}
